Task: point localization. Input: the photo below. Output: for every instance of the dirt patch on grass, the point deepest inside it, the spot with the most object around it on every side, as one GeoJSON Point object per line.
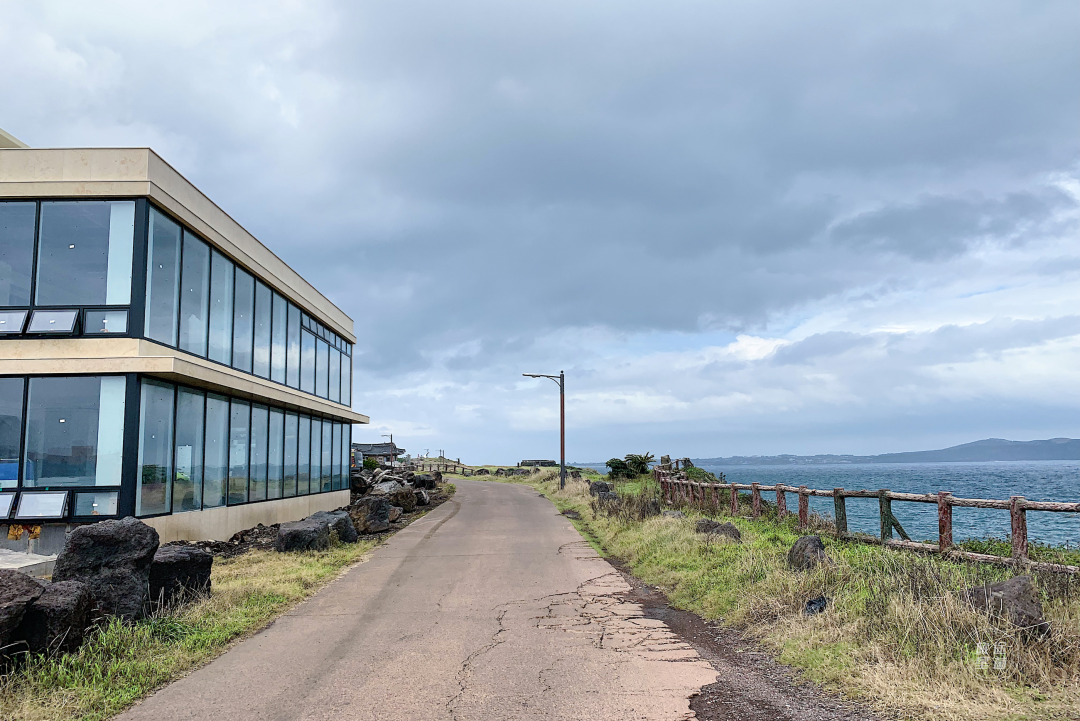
{"type": "Point", "coordinates": [752, 685]}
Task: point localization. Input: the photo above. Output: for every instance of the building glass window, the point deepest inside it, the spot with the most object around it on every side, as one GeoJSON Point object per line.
{"type": "Point", "coordinates": [336, 478]}
{"type": "Point", "coordinates": [278, 338]}
{"type": "Point", "coordinates": [307, 362]}
{"type": "Point", "coordinates": [154, 491]}
{"type": "Point", "coordinates": [162, 278]}
{"type": "Point", "coordinates": [6, 499]}
{"type": "Point", "coordinates": [102, 322]}
{"type": "Point", "coordinates": [261, 354]}
{"type": "Point", "coordinates": [216, 465]}
{"type": "Point", "coordinates": [221, 308]}
{"type": "Point", "coordinates": [74, 431]}
{"type": "Point", "coordinates": [194, 295]}
{"type": "Point", "coordinates": [257, 476]}
{"type": "Point", "coordinates": [239, 420]}
{"type": "Point", "coordinates": [43, 504]}
{"type": "Point", "coordinates": [275, 461]}
{"type": "Point", "coordinates": [322, 367]}
{"type": "Point", "coordinates": [53, 321]}
{"type": "Point", "coordinates": [346, 455]}
{"type": "Point", "coordinates": [327, 456]}
{"type": "Point", "coordinates": [243, 320]}
{"type": "Point", "coordinates": [85, 252]}
{"type": "Point", "coordinates": [303, 457]}
{"type": "Point", "coordinates": [11, 423]}
{"type": "Point", "coordinates": [97, 503]}
{"type": "Point", "coordinates": [292, 352]}
{"type": "Point", "coordinates": [346, 380]}
{"type": "Point", "coordinates": [187, 486]}
{"type": "Point", "coordinates": [292, 430]}
{"type": "Point", "coordinates": [316, 456]}
{"type": "Point", "coordinates": [12, 321]}
{"type": "Point", "coordinates": [16, 252]}
{"type": "Point", "coordinates": [334, 393]}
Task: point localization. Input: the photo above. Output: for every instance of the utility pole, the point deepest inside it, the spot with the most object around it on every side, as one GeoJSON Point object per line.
{"type": "Point", "coordinates": [561, 380]}
{"type": "Point", "coordinates": [392, 456]}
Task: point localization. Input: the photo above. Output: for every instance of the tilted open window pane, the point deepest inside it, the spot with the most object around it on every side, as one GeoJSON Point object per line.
{"type": "Point", "coordinates": [16, 252]}
{"type": "Point", "coordinates": [74, 431]}
{"type": "Point", "coordinates": [194, 295]}
{"type": "Point", "coordinates": [85, 252]}
{"type": "Point", "coordinates": [162, 278]}
{"type": "Point", "coordinates": [6, 500]}
{"type": "Point", "coordinates": [11, 421]}
{"type": "Point", "coordinates": [261, 354]}
{"type": "Point", "coordinates": [12, 321]}
{"type": "Point", "coordinates": [53, 321]}
{"type": "Point", "coordinates": [221, 309]}
{"type": "Point", "coordinates": [154, 491]}
{"type": "Point", "coordinates": [42, 504]}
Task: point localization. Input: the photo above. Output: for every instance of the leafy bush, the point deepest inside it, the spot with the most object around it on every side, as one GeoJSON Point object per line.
{"type": "Point", "coordinates": [618, 468]}
{"type": "Point", "coordinates": [702, 476]}
{"type": "Point", "coordinates": [370, 464]}
{"type": "Point", "coordinates": [639, 463]}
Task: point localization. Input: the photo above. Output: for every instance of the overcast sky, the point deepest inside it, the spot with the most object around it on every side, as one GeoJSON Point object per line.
{"type": "Point", "coordinates": [739, 227]}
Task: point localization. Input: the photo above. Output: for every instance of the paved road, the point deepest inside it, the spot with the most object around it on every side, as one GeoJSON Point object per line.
{"type": "Point", "coordinates": [490, 607]}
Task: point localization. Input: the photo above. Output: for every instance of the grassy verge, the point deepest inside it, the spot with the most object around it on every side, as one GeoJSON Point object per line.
{"type": "Point", "coordinates": [896, 632]}
{"type": "Point", "coordinates": [120, 664]}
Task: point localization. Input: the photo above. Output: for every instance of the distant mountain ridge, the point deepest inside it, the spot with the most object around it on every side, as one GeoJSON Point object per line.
{"type": "Point", "coordinates": [990, 449]}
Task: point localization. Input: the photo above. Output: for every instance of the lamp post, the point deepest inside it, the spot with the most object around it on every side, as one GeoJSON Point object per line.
{"type": "Point", "coordinates": [392, 457]}
{"type": "Point", "coordinates": [561, 380]}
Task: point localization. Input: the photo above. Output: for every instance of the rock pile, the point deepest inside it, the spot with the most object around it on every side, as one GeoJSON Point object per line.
{"type": "Point", "coordinates": [715, 528]}
{"type": "Point", "coordinates": [598, 487]}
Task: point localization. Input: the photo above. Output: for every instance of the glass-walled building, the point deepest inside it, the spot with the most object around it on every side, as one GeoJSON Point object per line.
{"type": "Point", "coordinates": [156, 360]}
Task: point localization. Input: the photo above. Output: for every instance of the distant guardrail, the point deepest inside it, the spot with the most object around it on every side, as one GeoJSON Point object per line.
{"type": "Point", "coordinates": [676, 487]}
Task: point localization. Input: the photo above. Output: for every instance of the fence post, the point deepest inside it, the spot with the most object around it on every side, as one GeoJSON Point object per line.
{"type": "Point", "coordinates": [715, 500]}
{"type": "Point", "coordinates": [755, 493]}
{"type": "Point", "coordinates": [804, 507]}
{"type": "Point", "coordinates": [885, 511]}
{"type": "Point", "coordinates": [944, 521]}
{"type": "Point", "coordinates": [1019, 527]}
{"type": "Point", "coordinates": [840, 507]}
{"type": "Point", "coordinates": [734, 504]}
{"type": "Point", "coordinates": [781, 503]}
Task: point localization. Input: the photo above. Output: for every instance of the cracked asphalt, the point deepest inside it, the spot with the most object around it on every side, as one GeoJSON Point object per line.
{"type": "Point", "coordinates": [490, 607]}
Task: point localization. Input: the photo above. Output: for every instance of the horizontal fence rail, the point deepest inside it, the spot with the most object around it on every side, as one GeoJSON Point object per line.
{"type": "Point", "coordinates": [443, 467]}
{"type": "Point", "coordinates": [676, 487]}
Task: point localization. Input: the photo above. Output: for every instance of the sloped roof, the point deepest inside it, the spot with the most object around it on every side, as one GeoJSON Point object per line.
{"type": "Point", "coordinates": [378, 449]}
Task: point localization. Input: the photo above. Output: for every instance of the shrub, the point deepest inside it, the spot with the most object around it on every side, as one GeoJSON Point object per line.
{"type": "Point", "coordinates": [370, 464]}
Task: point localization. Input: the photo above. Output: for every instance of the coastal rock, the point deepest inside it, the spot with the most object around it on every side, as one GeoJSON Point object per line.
{"type": "Point", "coordinates": [405, 498]}
{"type": "Point", "coordinates": [17, 592]}
{"type": "Point", "coordinates": [425, 480]}
{"type": "Point", "coordinates": [305, 535]}
{"type": "Point", "coordinates": [57, 620]}
{"type": "Point", "coordinates": [715, 528]}
{"type": "Point", "coordinates": [385, 488]}
{"type": "Point", "coordinates": [815, 606]}
{"type": "Point", "coordinates": [339, 522]}
{"type": "Point", "coordinates": [371, 514]}
{"type": "Point", "coordinates": [483, 472]}
{"type": "Point", "coordinates": [422, 497]}
{"type": "Point", "coordinates": [673, 514]}
{"type": "Point", "coordinates": [113, 558]}
{"type": "Point", "coordinates": [806, 553]}
{"type": "Point", "coordinates": [395, 513]}
{"type": "Point", "coordinates": [179, 573]}
{"type": "Point", "coordinates": [437, 476]}
{"type": "Point", "coordinates": [598, 487]}
{"type": "Point", "coordinates": [1014, 599]}
{"type": "Point", "coordinates": [575, 474]}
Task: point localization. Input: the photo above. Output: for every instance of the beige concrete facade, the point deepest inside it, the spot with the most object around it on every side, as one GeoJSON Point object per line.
{"type": "Point", "coordinates": [219, 524]}
{"type": "Point", "coordinates": [95, 356]}
{"type": "Point", "coordinates": [89, 173]}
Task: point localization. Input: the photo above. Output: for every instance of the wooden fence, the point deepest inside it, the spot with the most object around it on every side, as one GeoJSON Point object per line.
{"type": "Point", "coordinates": [677, 488]}
{"type": "Point", "coordinates": [444, 467]}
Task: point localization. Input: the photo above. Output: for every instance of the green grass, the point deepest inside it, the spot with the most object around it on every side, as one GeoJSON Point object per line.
{"type": "Point", "coordinates": [896, 633]}
{"type": "Point", "coordinates": [121, 663]}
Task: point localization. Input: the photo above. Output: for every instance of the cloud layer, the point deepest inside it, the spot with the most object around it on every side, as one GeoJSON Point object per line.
{"type": "Point", "coordinates": [739, 227]}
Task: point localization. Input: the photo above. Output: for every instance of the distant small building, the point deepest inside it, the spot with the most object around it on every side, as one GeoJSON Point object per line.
{"type": "Point", "coordinates": [544, 464]}
{"type": "Point", "coordinates": [380, 452]}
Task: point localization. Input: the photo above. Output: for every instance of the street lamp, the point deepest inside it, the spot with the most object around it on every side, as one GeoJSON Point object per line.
{"type": "Point", "coordinates": [391, 437]}
{"type": "Point", "coordinates": [561, 380]}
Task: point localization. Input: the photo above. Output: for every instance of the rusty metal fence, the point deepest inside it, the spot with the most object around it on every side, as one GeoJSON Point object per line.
{"type": "Point", "coordinates": [676, 487]}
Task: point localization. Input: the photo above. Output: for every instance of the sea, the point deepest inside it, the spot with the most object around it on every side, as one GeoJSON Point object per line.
{"type": "Point", "coordinates": [1034, 480]}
